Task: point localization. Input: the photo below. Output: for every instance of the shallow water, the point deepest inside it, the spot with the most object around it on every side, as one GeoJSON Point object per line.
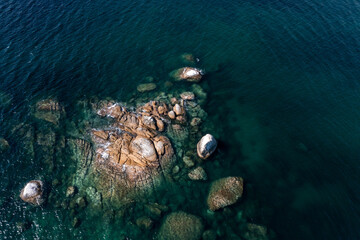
{"type": "Point", "coordinates": [283, 91]}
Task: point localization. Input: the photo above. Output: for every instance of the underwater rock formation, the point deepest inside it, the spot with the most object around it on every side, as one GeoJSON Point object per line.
{"type": "Point", "coordinates": [181, 226]}
{"type": "Point", "coordinates": [33, 192]}
{"type": "Point", "coordinates": [225, 192]}
{"type": "Point", "coordinates": [206, 146]}
{"type": "Point", "coordinates": [49, 110]}
{"type": "Point", "coordinates": [189, 74]}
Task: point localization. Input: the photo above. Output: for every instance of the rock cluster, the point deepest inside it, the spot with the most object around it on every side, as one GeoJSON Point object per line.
{"type": "Point", "coordinates": [225, 192]}
{"type": "Point", "coordinates": [33, 192]}
{"type": "Point", "coordinates": [181, 226]}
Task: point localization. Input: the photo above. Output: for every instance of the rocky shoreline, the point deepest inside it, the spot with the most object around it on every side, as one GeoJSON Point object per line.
{"type": "Point", "coordinates": [130, 152]}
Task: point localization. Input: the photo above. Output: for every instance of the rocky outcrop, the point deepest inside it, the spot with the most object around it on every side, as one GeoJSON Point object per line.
{"type": "Point", "coordinates": [133, 146]}
{"type": "Point", "coordinates": [225, 192]}
{"type": "Point", "coordinates": [33, 192]}
{"type": "Point", "coordinates": [127, 158]}
{"type": "Point", "coordinates": [189, 74]}
{"type": "Point", "coordinates": [49, 110]}
{"type": "Point", "coordinates": [181, 226]}
{"type": "Point", "coordinates": [206, 146]}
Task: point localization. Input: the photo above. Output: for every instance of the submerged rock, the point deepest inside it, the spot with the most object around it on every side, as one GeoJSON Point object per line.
{"type": "Point", "coordinates": [49, 110]}
{"type": "Point", "coordinates": [187, 73]}
{"type": "Point", "coordinates": [197, 174]}
{"type": "Point", "coordinates": [181, 226]}
{"type": "Point", "coordinates": [206, 146]}
{"type": "Point", "coordinates": [187, 96]}
{"type": "Point", "coordinates": [70, 191]}
{"type": "Point", "coordinates": [33, 192]}
{"type": "Point", "coordinates": [225, 192]}
{"type": "Point", "coordinates": [188, 58]}
{"type": "Point", "coordinates": [255, 232]}
{"type": "Point", "coordinates": [4, 145]}
{"type": "Point", "coordinates": [144, 223]}
{"type": "Point", "coordinates": [146, 87]}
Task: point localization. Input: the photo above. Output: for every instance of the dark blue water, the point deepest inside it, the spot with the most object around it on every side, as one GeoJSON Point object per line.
{"type": "Point", "coordinates": [282, 86]}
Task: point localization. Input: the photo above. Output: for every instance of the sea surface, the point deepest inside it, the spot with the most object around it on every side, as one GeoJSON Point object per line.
{"type": "Point", "coordinates": [283, 86]}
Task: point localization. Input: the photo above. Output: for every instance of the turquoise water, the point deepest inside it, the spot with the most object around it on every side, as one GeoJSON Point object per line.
{"type": "Point", "coordinates": [283, 93]}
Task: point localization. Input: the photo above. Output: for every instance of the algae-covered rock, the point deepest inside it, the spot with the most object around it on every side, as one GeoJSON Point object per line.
{"type": "Point", "coordinates": [181, 226]}
{"type": "Point", "coordinates": [197, 174]}
{"type": "Point", "coordinates": [146, 87]}
{"type": "Point", "coordinates": [33, 192]}
{"type": "Point", "coordinates": [225, 192]}
{"type": "Point", "coordinates": [255, 232]}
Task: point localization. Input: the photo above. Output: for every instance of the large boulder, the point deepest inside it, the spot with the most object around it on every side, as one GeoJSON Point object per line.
{"type": "Point", "coordinates": [189, 74]}
{"type": "Point", "coordinates": [33, 192]}
{"type": "Point", "coordinates": [181, 226]}
{"type": "Point", "coordinates": [225, 192]}
{"type": "Point", "coordinates": [206, 146]}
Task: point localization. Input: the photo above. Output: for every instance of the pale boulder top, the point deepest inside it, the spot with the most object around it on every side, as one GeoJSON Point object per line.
{"type": "Point", "coordinates": [31, 190]}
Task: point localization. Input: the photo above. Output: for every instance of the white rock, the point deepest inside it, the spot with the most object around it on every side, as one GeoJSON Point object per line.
{"type": "Point", "coordinates": [206, 146]}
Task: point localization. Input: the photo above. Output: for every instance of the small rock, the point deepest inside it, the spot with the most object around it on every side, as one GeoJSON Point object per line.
{"type": "Point", "coordinates": [173, 100]}
{"type": "Point", "coordinates": [197, 174]}
{"type": "Point", "coordinates": [189, 74]}
{"type": "Point", "coordinates": [188, 58]}
{"type": "Point", "coordinates": [206, 146]}
{"type": "Point", "coordinates": [209, 235]}
{"type": "Point", "coordinates": [76, 222]}
{"type": "Point", "coordinates": [4, 145]}
{"type": "Point", "coordinates": [161, 110]}
{"type": "Point", "coordinates": [255, 232]}
{"type": "Point", "coordinates": [146, 87]}
{"type": "Point", "coordinates": [188, 162]}
{"type": "Point", "coordinates": [55, 182]}
{"type": "Point", "coordinates": [187, 96]}
{"type": "Point", "coordinates": [172, 115]}
{"type": "Point", "coordinates": [33, 192]}
{"type": "Point", "coordinates": [155, 210]}
{"type": "Point", "coordinates": [195, 122]}
{"type": "Point", "coordinates": [177, 109]}
{"type": "Point", "coordinates": [160, 125]}
{"type": "Point", "coordinates": [176, 169]}
{"type": "Point", "coordinates": [81, 202]}
{"type": "Point", "coordinates": [23, 226]}
{"type": "Point", "coordinates": [168, 84]}
{"type": "Point", "coordinates": [181, 226]}
{"type": "Point", "coordinates": [144, 223]}
{"type": "Point", "coordinates": [225, 192]}
{"type": "Point", "coordinates": [70, 191]}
